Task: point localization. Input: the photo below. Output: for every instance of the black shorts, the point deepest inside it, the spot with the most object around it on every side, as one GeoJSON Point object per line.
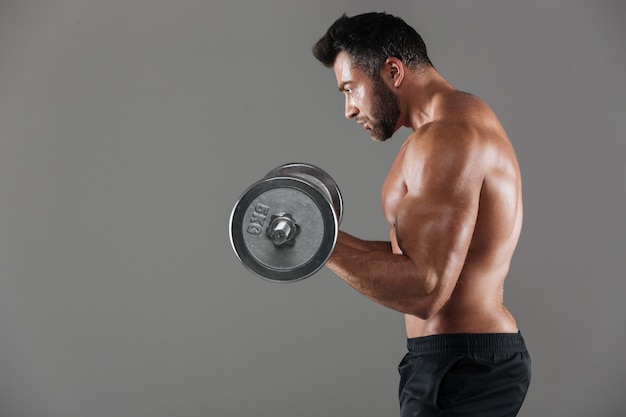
{"type": "Point", "coordinates": [464, 375]}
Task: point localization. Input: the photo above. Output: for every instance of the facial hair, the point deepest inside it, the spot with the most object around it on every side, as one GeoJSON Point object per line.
{"type": "Point", "coordinates": [385, 111]}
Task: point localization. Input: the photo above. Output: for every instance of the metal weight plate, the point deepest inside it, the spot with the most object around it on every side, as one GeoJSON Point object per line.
{"type": "Point", "coordinates": [274, 197]}
{"type": "Point", "coordinates": [316, 176]}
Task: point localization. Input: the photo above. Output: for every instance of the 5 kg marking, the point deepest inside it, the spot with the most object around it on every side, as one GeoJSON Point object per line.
{"type": "Point", "coordinates": [258, 218]}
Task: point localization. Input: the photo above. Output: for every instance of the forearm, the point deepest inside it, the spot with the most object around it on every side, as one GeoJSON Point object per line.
{"type": "Point", "coordinates": [363, 245]}
{"type": "Point", "coordinates": [389, 279]}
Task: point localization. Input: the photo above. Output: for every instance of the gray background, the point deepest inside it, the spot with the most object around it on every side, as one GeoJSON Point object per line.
{"type": "Point", "coordinates": [129, 128]}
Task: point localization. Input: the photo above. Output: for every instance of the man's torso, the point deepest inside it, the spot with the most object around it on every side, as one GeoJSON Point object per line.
{"type": "Point", "coordinates": [476, 303]}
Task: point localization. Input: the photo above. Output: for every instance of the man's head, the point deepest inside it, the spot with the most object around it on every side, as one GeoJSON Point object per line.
{"type": "Point", "coordinates": [369, 39]}
{"type": "Point", "coordinates": [361, 49]}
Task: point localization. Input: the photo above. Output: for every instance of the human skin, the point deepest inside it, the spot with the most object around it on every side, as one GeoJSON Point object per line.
{"type": "Point", "coordinates": [452, 199]}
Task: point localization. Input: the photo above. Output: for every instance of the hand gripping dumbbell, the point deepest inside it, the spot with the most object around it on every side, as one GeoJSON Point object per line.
{"type": "Point", "coordinates": [284, 227]}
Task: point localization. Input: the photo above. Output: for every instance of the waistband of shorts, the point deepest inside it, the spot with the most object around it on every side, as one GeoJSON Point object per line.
{"type": "Point", "coordinates": [466, 343]}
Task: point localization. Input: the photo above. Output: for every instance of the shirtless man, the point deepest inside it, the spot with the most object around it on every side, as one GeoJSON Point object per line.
{"type": "Point", "coordinates": [453, 202]}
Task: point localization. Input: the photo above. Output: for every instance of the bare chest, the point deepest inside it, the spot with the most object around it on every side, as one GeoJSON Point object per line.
{"type": "Point", "coordinates": [393, 190]}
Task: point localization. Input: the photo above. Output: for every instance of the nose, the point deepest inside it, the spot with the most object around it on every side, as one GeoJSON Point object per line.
{"type": "Point", "coordinates": [351, 110]}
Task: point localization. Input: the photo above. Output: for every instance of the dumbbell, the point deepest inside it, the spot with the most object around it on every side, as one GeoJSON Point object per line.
{"type": "Point", "coordinates": [283, 228]}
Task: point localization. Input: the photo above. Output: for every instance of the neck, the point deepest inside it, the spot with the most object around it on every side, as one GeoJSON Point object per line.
{"type": "Point", "coordinates": [423, 90]}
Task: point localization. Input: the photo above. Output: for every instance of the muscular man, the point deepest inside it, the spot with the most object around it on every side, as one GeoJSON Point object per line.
{"type": "Point", "coordinates": [453, 202]}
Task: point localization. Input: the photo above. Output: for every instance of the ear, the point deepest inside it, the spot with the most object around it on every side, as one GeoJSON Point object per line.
{"type": "Point", "coordinates": [393, 71]}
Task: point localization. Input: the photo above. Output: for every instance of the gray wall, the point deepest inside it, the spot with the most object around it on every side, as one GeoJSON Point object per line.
{"type": "Point", "coordinates": [129, 128]}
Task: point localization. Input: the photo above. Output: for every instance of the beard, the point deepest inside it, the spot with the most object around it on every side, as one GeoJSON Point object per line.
{"type": "Point", "coordinates": [385, 112]}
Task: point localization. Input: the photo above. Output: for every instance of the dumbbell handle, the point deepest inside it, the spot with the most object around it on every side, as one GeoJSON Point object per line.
{"type": "Point", "coordinates": [282, 229]}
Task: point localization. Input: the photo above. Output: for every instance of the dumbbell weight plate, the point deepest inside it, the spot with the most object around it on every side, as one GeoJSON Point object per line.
{"type": "Point", "coordinates": [311, 210]}
{"type": "Point", "coordinates": [318, 177]}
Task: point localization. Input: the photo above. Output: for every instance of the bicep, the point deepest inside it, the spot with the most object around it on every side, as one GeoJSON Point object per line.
{"type": "Point", "coordinates": [435, 233]}
{"type": "Point", "coordinates": [436, 218]}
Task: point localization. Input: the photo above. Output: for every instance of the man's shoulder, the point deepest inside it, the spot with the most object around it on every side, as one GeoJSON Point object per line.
{"type": "Point", "coordinates": [442, 134]}
{"type": "Point", "coordinates": [450, 146]}
{"type": "Point", "coordinates": [465, 121]}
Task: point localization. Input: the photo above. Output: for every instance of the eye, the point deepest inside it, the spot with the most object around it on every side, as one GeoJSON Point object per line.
{"type": "Point", "coordinates": [347, 89]}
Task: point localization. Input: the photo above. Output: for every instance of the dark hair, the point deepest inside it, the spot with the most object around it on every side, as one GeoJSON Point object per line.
{"type": "Point", "coordinates": [369, 39]}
